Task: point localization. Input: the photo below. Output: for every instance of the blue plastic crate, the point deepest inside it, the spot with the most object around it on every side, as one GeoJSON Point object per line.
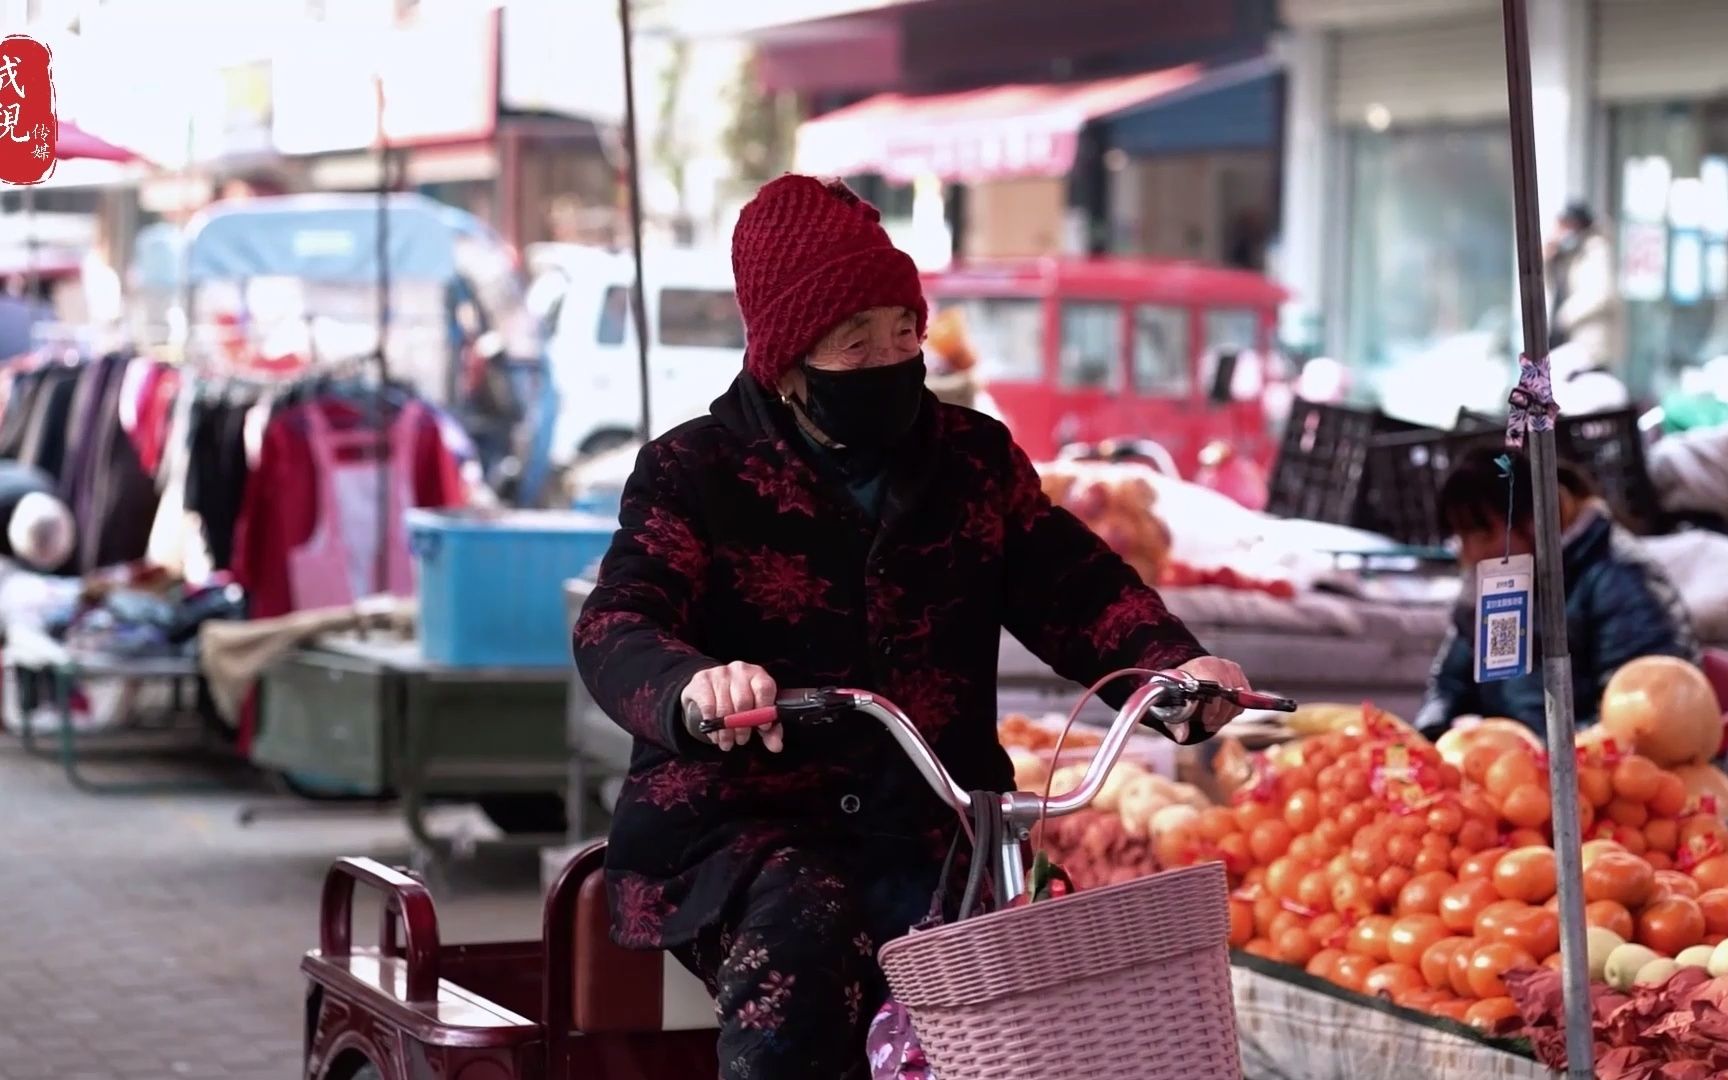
{"type": "Point", "coordinates": [492, 585]}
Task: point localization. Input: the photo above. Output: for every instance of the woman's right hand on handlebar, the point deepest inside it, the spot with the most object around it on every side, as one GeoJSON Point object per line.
{"type": "Point", "coordinates": [734, 688]}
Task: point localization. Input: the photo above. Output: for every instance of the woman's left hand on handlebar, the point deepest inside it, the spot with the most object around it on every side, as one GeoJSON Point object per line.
{"type": "Point", "coordinates": [1225, 673]}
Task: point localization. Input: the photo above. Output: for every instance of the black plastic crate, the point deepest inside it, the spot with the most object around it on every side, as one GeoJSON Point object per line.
{"type": "Point", "coordinates": [1607, 445]}
{"type": "Point", "coordinates": [1322, 462]}
{"type": "Point", "coordinates": [1475, 421]}
{"type": "Point", "coordinates": [1405, 473]}
{"type": "Point", "coordinates": [1610, 447]}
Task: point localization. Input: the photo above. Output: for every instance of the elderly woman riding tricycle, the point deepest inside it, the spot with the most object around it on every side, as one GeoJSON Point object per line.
{"type": "Point", "coordinates": [828, 524]}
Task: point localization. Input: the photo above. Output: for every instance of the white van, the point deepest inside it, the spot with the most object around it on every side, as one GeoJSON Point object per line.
{"type": "Point", "coordinates": [695, 341]}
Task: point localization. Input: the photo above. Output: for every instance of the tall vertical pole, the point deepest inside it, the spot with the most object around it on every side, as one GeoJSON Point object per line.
{"type": "Point", "coordinates": [638, 302]}
{"type": "Point", "coordinates": [386, 527]}
{"type": "Point", "coordinates": [1550, 577]}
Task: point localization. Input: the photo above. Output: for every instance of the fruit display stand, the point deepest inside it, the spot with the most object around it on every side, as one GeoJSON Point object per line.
{"type": "Point", "coordinates": [1291, 1024]}
{"type": "Point", "coordinates": [1389, 892]}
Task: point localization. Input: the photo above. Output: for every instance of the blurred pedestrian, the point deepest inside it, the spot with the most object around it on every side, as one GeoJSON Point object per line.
{"type": "Point", "coordinates": [1584, 294]}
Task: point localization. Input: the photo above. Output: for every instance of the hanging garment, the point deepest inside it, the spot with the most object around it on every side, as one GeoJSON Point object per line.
{"type": "Point", "coordinates": [150, 388]}
{"type": "Point", "coordinates": [115, 499]}
{"type": "Point", "coordinates": [45, 432]}
{"type": "Point", "coordinates": [176, 541]}
{"type": "Point", "coordinates": [84, 415]}
{"type": "Point", "coordinates": [341, 561]}
{"type": "Point", "coordinates": [20, 400]}
{"type": "Point", "coordinates": [286, 498]}
{"type": "Point", "coordinates": [219, 471]}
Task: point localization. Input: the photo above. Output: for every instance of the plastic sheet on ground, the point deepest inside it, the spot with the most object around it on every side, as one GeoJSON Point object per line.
{"type": "Point", "coordinates": [1293, 1026]}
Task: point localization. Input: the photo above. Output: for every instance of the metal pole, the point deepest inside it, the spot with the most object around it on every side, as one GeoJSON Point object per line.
{"type": "Point", "coordinates": [638, 302]}
{"type": "Point", "coordinates": [32, 250]}
{"type": "Point", "coordinates": [1550, 600]}
{"type": "Point", "coordinates": [381, 561]}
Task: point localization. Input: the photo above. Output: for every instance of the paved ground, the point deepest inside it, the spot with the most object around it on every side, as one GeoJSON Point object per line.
{"type": "Point", "coordinates": [154, 938]}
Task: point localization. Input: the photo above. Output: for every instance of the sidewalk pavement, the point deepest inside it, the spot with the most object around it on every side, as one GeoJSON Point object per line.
{"type": "Point", "coordinates": [154, 938]}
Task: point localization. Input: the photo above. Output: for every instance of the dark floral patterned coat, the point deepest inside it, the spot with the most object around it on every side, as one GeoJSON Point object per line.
{"type": "Point", "coordinates": [733, 545]}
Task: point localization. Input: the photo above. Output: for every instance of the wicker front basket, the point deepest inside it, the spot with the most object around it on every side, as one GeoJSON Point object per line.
{"type": "Point", "coordinates": [1128, 982]}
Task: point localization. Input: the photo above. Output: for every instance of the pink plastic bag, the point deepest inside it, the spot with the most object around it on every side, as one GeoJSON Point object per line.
{"type": "Point", "coordinates": [893, 1046]}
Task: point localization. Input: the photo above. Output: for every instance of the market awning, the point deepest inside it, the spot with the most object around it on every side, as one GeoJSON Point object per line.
{"type": "Point", "coordinates": [76, 144]}
{"type": "Point", "coordinates": [995, 133]}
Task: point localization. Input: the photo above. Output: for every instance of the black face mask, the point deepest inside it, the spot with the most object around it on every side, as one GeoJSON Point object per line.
{"type": "Point", "coordinates": [868, 408]}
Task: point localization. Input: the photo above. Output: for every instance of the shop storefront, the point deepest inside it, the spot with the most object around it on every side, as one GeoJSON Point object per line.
{"type": "Point", "coordinates": [1397, 238]}
{"type": "Point", "coordinates": [1430, 201]}
{"type": "Point", "coordinates": [1145, 129]}
{"type": "Point", "coordinates": [1664, 90]}
{"type": "Point", "coordinates": [1108, 165]}
{"type": "Point", "coordinates": [1397, 175]}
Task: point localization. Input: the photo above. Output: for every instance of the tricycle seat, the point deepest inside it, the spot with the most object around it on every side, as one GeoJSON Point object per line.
{"type": "Point", "coordinates": [627, 990]}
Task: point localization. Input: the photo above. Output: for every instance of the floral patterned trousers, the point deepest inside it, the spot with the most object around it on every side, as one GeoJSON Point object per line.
{"type": "Point", "coordinates": [793, 971]}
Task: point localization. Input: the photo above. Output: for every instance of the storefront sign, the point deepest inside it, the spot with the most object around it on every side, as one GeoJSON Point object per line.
{"type": "Point", "coordinates": [246, 100]}
{"type": "Point", "coordinates": [1713, 177]}
{"type": "Point", "coordinates": [439, 82]}
{"type": "Point", "coordinates": [1686, 273]}
{"type": "Point", "coordinates": [563, 58]}
{"type": "Point", "coordinates": [1643, 261]}
{"type": "Point", "coordinates": [1644, 185]}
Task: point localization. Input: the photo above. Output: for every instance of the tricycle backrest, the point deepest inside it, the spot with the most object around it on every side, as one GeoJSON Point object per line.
{"type": "Point", "coordinates": [626, 990]}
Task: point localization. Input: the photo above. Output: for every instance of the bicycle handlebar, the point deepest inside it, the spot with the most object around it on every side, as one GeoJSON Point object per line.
{"type": "Point", "coordinates": [1165, 700]}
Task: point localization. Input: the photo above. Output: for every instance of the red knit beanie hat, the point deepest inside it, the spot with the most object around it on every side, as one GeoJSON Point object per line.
{"type": "Point", "coordinates": [805, 256]}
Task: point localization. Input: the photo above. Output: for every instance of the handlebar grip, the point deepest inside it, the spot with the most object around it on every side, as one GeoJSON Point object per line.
{"type": "Point", "coordinates": [762, 717]}
{"type": "Point", "coordinates": [700, 728]}
{"type": "Point", "coordinates": [1251, 699]}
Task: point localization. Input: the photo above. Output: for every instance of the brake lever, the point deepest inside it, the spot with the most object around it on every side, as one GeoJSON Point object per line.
{"type": "Point", "coordinates": [1205, 690]}
{"type": "Point", "coordinates": [1196, 693]}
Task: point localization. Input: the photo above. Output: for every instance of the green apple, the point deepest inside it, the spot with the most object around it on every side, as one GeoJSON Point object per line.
{"type": "Point", "coordinates": [1602, 942]}
{"type": "Point", "coordinates": [1656, 972]}
{"type": "Point", "coordinates": [1624, 964]}
{"type": "Point", "coordinates": [1697, 956]}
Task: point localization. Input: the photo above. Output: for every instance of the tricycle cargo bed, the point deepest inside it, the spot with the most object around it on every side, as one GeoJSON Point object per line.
{"type": "Point", "coordinates": [411, 1008]}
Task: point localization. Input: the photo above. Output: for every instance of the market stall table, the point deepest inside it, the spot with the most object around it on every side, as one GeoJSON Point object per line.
{"type": "Point", "coordinates": [373, 714]}
{"type": "Point", "coordinates": [64, 669]}
{"type": "Point", "coordinates": [1294, 1025]}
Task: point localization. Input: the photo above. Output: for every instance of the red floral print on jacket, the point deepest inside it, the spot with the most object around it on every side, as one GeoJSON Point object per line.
{"type": "Point", "coordinates": [733, 546]}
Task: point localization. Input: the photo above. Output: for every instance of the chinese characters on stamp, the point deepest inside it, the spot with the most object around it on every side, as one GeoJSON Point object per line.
{"type": "Point", "coordinates": [29, 128]}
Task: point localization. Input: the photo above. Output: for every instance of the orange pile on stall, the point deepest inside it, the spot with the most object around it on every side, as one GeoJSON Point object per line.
{"type": "Point", "coordinates": [1387, 865]}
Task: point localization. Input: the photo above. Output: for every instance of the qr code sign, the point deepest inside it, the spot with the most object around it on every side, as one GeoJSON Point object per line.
{"type": "Point", "coordinates": [1502, 640]}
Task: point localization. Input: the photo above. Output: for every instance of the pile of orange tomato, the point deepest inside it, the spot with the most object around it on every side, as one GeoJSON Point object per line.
{"type": "Point", "coordinates": [1366, 859]}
